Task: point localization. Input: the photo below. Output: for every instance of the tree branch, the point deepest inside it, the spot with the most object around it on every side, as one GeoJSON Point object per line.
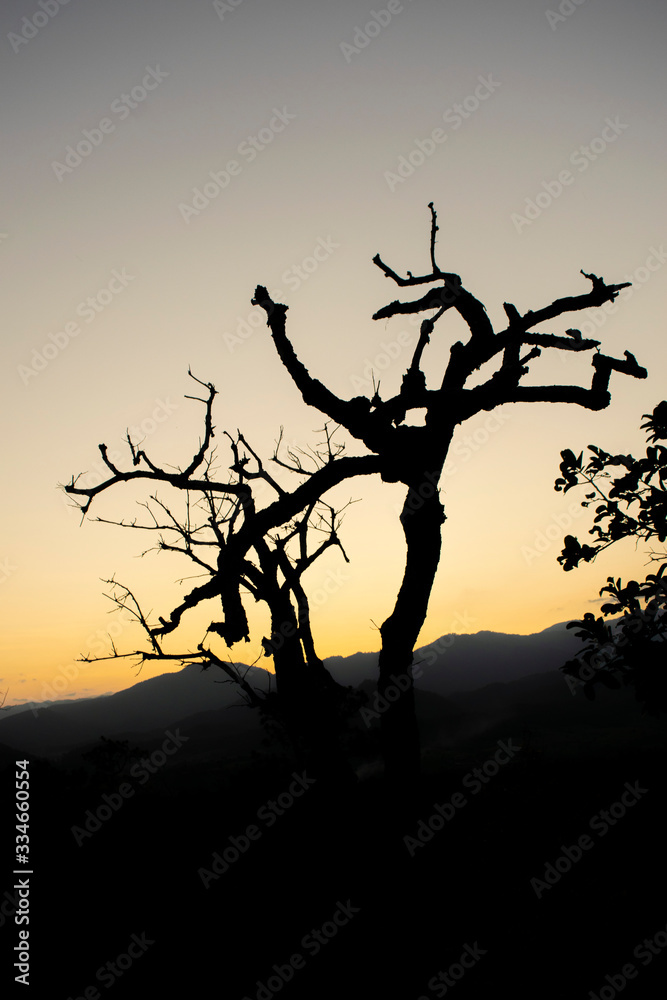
{"type": "Point", "coordinates": [313, 392]}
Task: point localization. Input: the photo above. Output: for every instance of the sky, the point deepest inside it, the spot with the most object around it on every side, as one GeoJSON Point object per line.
{"type": "Point", "coordinates": [162, 159]}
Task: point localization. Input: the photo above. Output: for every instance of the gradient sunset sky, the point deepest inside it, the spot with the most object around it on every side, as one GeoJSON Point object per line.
{"type": "Point", "coordinates": [304, 116]}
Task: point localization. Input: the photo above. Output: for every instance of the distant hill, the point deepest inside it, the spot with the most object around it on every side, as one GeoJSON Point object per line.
{"type": "Point", "coordinates": [151, 705]}
{"type": "Point", "coordinates": [560, 723]}
{"type": "Point", "coordinates": [454, 668]}
{"type": "Point", "coordinates": [467, 662]}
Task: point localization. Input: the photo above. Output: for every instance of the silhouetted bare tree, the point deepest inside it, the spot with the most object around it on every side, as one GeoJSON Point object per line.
{"type": "Point", "coordinates": [415, 455]}
{"type": "Point", "coordinates": [217, 530]}
{"type": "Point", "coordinates": [400, 452]}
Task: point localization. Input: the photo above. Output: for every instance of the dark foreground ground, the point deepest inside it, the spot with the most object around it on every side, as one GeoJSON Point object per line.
{"type": "Point", "coordinates": [330, 900]}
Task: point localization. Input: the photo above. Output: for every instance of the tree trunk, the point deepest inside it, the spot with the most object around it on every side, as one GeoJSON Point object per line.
{"type": "Point", "coordinates": [422, 518]}
{"type": "Point", "coordinates": [307, 702]}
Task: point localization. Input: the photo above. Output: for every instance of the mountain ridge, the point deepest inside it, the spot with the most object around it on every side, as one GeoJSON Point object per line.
{"type": "Point", "coordinates": [453, 664]}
